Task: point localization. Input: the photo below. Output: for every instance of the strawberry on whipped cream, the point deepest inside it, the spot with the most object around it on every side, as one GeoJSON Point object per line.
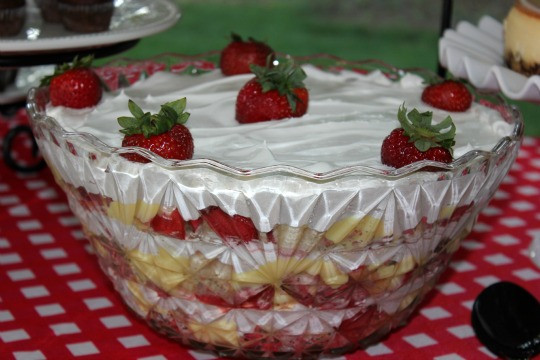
{"type": "Point", "coordinates": [349, 116]}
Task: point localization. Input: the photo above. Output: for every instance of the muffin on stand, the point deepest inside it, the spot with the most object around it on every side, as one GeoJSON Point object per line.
{"type": "Point", "coordinates": [12, 17]}
{"type": "Point", "coordinates": [49, 10]}
{"type": "Point", "coordinates": [86, 16]}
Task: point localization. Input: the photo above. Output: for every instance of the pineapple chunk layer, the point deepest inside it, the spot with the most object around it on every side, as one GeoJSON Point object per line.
{"type": "Point", "coordinates": [362, 230]}
{"type": "Point", "coordinates": [399, 268]}
{"type": "Point", "coordinates": [341, 229]}
{"type": "Point", "coordinates": [218, 332]}
{"type": "Point", "coordinates": [138, 299]}
{"type": "Point", "coordinates": [162, 269]}
{"type": "Point", "coordinates": [274, 272]}
{"type": "Point", "coordinates": [127, 213]}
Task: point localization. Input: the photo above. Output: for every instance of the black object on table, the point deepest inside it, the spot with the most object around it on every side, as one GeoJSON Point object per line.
{"type": "Point", "coordinates": [506, 318]}
{"type": "Point", "coordinates": [7, 153]}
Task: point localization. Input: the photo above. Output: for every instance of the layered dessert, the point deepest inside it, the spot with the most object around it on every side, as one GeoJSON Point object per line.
{"type": "Point", "coordinates": [521, 33]}
{"type": "Point", "coordinates": [283, 237]}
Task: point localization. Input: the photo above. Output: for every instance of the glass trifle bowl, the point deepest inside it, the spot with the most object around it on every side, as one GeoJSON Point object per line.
{"type": "Point", "coordinates": [271, 259]}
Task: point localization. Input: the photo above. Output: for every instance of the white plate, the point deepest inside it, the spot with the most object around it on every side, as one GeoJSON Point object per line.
{"type": "Point", "coordinates": [132, 19]}
{"type": "Point", "coordinates": [476, 53]}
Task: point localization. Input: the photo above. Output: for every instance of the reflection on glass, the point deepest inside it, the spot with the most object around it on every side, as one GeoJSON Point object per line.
{"type": "Point", "coordinates": [32, 33]}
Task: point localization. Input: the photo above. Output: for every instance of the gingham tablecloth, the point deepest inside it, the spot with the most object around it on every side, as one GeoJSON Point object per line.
{"type": "Point", "coordinates": [55, 303]}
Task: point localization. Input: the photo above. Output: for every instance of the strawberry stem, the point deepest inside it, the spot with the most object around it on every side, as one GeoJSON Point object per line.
{"type": "Point", "coordinates": [170, 114]}
{"type": "Point", "coordinates": [418, 127]}
{"type": "Point", "coordinates": [283, 77]}
{"type": "Point", "coordinates": [85, 62]}
{"type": "Point", "coordinates": [236, 38]}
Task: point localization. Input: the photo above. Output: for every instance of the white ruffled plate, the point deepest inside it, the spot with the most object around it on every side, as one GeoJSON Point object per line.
{"type": "Point", "coordinates": [475, 52]}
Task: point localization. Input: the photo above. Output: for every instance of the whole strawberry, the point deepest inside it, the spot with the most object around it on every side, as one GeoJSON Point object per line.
{"type": "Point", "coordinates": [74, 85]}
{"type": "Point", "coordinates": [448, 95]}
{"type": "Point", "coordinates": [162, 133]}
{"type": "Point", "coordinates": [238, 55]}
{"type": "Point", "coordinates": [418, 139]}
{"type": "Point", "coordinates": [276, 92]}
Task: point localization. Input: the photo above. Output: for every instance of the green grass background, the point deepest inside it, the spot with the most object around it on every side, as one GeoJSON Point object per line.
{"type": "Point", "coordinates": [403, 33]}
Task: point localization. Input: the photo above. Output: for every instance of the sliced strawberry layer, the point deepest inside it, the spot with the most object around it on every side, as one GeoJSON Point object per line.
{"type": "Point", "coordinates": [363, 324]}
{"type": "Point", "coordinates": [91, 201]}
{"type": "Point", "coordinates": [170, 224]}
{"type": "Point", "coordinates": [262, 343]}
{"type": "Point", "coordinates": [260, 297]}
{"type": "Point", "coordinates": [230, 228]}
{"type": "Point", "coordinates": [212, 299]}
{"type": "Point", "coordinates": [195, 224]}
{"type": "Point", "coordinates": [313, 292]}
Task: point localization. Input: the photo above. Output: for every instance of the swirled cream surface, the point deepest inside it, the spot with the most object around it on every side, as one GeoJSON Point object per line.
{"type": "Point", "coordinates": [348, 117]}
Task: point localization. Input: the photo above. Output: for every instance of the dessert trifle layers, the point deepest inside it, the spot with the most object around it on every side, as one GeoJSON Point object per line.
{"type": "Point", "coordinates": [282, 237]}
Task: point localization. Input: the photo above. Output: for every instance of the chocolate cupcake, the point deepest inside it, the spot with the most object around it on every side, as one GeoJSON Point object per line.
{"type": "Point", "coordinates": [12, 17]}
{"type": "Point", "coordinates": [86, 16]}
{"type": "Point", "coordinates": [49, 10]}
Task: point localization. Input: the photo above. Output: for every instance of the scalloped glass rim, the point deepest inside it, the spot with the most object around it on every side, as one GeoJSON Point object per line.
{"type": "Point", "coordinates": [336, 63]}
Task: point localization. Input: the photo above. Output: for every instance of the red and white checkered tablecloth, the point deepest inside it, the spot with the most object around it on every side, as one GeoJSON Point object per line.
{"type": "Point", "coordinates": [56, 304]}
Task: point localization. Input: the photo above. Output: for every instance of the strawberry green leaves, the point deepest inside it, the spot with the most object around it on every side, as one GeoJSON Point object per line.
{"type": "Point", "coordinates": [419, 128]}
{"type": "Point", "coordinates": [84, 62]}
{"type": "Point", "coordinates": [418, 139]}
{"type": "Point", "coordinates": [276, 92]}
{"type": "Point", "coordinates": [170, 114]}
{"type": "Point", "coordinates": [284, 77]}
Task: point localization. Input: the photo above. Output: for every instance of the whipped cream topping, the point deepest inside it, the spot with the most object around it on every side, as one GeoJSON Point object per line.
{"type": "Point", "coordinates": [348, 117]}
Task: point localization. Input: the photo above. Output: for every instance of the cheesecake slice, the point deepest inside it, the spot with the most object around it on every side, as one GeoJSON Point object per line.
{"type": "Point", "coordinates": [522, 37]}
